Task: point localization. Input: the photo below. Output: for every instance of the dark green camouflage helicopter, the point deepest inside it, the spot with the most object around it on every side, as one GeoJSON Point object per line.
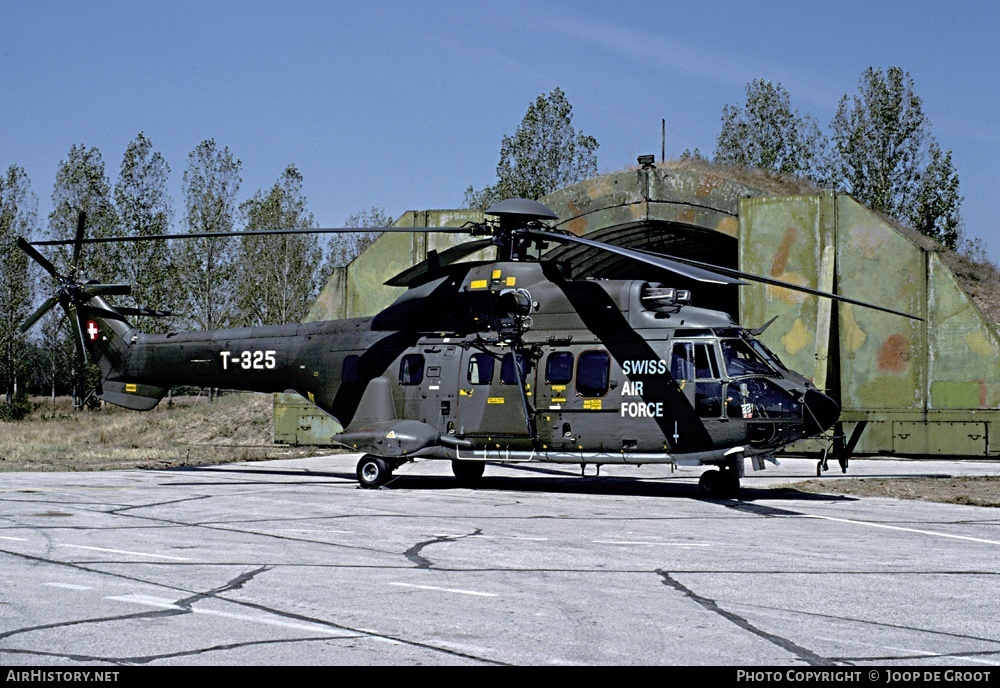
{"type": "Point", "coordinates": [505, 360]}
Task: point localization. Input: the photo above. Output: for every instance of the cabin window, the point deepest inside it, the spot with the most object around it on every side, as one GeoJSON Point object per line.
{"type": "Point", "coordinates": [508, 372]}
{"type": "Point", "coordinates": [349, 373]}
{"type": "Point", "coordinates": [481, 369]}
{"type": "Point", "coordinates": [411, 369]}
{"type": "Point", "coordinates": [593, 371]}
{"type": "Point", "coordinates": [559, 368]}
{"type": "Point", "coordinates": [694, 361]}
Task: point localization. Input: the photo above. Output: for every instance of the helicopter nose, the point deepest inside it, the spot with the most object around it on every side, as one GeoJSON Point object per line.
{"type": "Point", "coordinates": [821, 412]}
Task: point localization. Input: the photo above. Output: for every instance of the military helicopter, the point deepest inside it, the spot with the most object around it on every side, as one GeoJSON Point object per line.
{"type": "Point", "coordinates": [504, 360]}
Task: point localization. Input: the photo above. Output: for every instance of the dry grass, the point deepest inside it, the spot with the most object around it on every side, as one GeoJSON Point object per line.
{"type": "Point", "coordinates": [971, 490]}
{"type": "Point", "coordinates": [190, 431]}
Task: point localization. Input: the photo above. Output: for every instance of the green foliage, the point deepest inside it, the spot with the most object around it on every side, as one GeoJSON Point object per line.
{"type": "Point", "coordinates": [544, 154]}
{"type": "Point", "coordinates": [18, 408]}
{"type": "Point", "coordinates": [888, 160]}
{"type": "Point", "coordinates": [880, 150]}
{"type": "Point", "coordinates": [206, 266]}
{"type": "Point", "coordinates": [280, 278]}
{"type": "Point", "coordinates": [18, 218]}
{"type": "Point", "coordinates": [880, 137]}
{"type": "Point", "coordinates": [767, 134]}
{"type": "Point", "coordinates": [144, 209]}
{"type": "Point", "coordinates": [935, 211]}
{"type": "Point", "coordinates": [82, 186]}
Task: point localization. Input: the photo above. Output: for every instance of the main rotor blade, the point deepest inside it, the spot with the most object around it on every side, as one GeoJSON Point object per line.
{"type": "Point", "coordinates": [118, 312]}
{"type": "Point", "coordinates": [42, 310]}
{"type": "Point", "coordinates": [797, 287]}
{"type": "Point", "coordinates": [258, 232]}
{"type": "Point", "coordinates": [706, 273]}
{"type": "Point", "coordinates": [107, 289]}
{"type": "Point", "coordinates": [38, 257]}
{"type": "Point", "coordinates": [439, 260]}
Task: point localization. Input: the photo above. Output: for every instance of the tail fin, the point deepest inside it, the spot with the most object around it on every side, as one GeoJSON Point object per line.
{"type": "Point", "coordinates": [105, 337]}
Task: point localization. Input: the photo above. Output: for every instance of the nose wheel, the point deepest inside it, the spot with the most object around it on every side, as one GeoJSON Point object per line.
{"type": "Point", "coordinates": [723, 483]}
{"type": "Point", "coordinates": [373, 472]}
{"type": "Point", "coordinates": [823, 465]}
{"type": "Point", "coordinates": [468, 472]}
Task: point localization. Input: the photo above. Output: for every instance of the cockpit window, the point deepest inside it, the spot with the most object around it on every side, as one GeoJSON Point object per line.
{"type": "Point", "coordinates": [742, 359]}
{"type": "Point", "coordinates": [760, 398]}
{"type": "Point", "coordinates": [767, 354]}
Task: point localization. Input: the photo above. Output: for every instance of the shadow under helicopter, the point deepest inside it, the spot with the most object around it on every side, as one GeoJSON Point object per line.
{"type": "Point", "coordinates": [541, 480]}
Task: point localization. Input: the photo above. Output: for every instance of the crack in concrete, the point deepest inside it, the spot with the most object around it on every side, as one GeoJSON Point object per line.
{"type": "Point", "coordinates": [413, 553]}
{"type": "Point", "coordinates": [234, 584]}
{"type": "Point", "coordinates": [803, 653]}
{"type": "Point", "coordinates": [186, 608]}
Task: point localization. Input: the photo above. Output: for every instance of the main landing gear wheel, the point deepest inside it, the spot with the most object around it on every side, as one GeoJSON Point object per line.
{"type": "Point", "coordinates": [373, 472]}
{"type": "Point", "coordinates": [719, 484]}
{"type": "Point", "coordinates": [468, 472]}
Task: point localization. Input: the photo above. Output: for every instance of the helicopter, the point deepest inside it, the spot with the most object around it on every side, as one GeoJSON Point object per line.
{"type": "Point", "coordinates": [508, 360]}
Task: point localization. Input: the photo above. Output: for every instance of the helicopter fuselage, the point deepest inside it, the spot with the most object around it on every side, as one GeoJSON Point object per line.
{"type": "Point", "coordinates": [505, 361]}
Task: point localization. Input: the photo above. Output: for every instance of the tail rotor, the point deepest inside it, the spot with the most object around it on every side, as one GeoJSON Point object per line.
{"type": "Point", "coordinates": [72, 291]}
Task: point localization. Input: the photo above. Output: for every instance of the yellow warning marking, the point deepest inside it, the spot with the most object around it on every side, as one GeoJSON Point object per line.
{"type": "Point", "coordinates": [495, 400]}
{"type": "Point", "coordinates": [558, 388]}
{"type": "Point", "coordinates": [465, 392]}
{"type": "Point", "coordinates": [496, 274]}
{"type": "Point", "coordinates": [511, 281]}
{"type": "Point", "coordinates": [391, 435]}
{"type": "Point", "coordinates": [478, 284]}
{"type": "Point", "coordinates": [129, 387]}
{"type": "Point", "coordinates": [310, 396]}
{"type": "Point", "coordinates": [558, 400]}
{"type": "Point", "coordinates": [592, 404]}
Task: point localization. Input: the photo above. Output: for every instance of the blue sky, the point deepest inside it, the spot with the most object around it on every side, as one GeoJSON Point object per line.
{"type": "Point", "coordinates": [402, 105]}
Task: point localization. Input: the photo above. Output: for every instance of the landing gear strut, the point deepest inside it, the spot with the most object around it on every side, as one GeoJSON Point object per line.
{"type": "Point", "coordinates": [841, 450]}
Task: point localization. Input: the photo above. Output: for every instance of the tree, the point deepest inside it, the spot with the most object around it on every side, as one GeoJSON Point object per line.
{"type": "Point", "coordinates": [544, 154]}
{"type": "Point", "coordinates": [879, 136]}
{"type": "Point", "coordinates": [887, 159]}
{"type": "Point", "coordinates": [18, 218]}
{"type": "Point", "coordinates": [82, 186]}
{"type": "Point", "coordinates": [935, 211]}
{"type": "Point", "coordinates": [285, 276]}
{"type": "Point", "coordinates": [144, 209]}
{"type": "Point", "coordinates": [206, 266]}
{"type": "Point", "coordinates": [767, 134]}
